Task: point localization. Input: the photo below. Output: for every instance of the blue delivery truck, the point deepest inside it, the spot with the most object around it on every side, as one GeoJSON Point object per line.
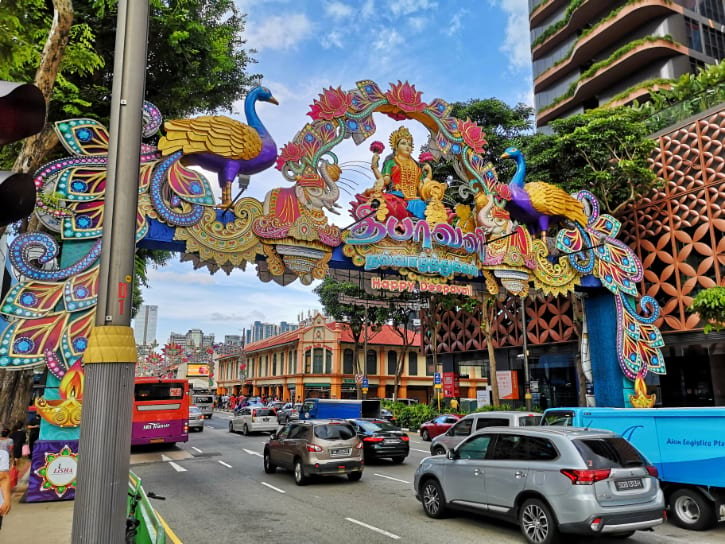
{"type": "Point", "coordinates": [686, 445]}
{"type": "Point", "coordinates": [339, 408]}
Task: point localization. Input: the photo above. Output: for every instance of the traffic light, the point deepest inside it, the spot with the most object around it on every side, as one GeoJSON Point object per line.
{"type": "Point", "coordinates": [22, 114]}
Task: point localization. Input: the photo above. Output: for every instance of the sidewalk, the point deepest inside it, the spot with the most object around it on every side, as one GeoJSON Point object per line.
{"type": "Point", "coordinates": [49, 522]}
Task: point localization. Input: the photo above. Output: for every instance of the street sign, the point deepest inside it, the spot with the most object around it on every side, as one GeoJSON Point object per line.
{"type": "Point", "coordinates": [437, 378]}
{"type": "Point", "coordinates": [365, 383]}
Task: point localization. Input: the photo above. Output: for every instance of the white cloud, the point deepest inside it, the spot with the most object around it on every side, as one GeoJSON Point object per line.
{"type": "Point", "coordinates": [418, 23]}
{"type": "Point", "coordinates": [456, 22]}
{"type": "Point", "coordinates": [367, 9]}
{"type": "Point", "coordinates": [388, 40]}
{"type": "Point", "coordinates": [406, 7]}
{"type": "Point", "coordinates": [332, 39]}
{"type": "Point", "coordinates": [279, 32]}
{"type": "Point", "coordinates": [516, 45]}
{"type": "Point", "coordinates": [338, 10]}
{"type": "Point", "coordinates": [169, 277]}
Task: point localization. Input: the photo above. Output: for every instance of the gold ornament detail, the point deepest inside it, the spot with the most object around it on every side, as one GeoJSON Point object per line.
{"type": "Point", "coordinates": [550, 278]}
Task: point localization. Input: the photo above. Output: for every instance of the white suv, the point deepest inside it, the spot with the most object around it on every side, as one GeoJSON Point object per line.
{"type": "Point", "coordinates": [252, 419]}
{"type": "Point", "coordinates": [480, 420]}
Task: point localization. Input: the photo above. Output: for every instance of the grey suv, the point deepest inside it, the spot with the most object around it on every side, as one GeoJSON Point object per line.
{"type": "Point", "coordinates": [480, 420]}
{"type": "Point", "coordinates": [315, 447]}
{"type": "Point", "coordinates": [548, 480]}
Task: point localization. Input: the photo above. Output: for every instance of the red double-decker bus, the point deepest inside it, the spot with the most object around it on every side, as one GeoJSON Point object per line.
{"type": "Point", "coordinates": [160, 411]}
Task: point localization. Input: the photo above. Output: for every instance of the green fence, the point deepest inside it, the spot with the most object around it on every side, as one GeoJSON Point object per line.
{"type": "Point", "coordinates": [150, 529]}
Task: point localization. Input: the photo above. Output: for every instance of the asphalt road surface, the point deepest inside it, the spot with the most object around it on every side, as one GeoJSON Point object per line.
{"type": "Point", "coordinates": [217, 491]}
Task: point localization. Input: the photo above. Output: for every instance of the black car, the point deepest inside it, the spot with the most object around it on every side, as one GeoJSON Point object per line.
{"type": "Point", "coordinates": [381, 439]}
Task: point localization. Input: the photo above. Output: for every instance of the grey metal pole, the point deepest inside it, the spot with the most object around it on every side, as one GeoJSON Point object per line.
{"type": "Point", "coordinates": [524, 331]}
{"type": "Point", "coordinates": [99, 514]}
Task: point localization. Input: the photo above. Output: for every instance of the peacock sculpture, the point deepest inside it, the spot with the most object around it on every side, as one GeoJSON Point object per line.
{"type": "Point", "coordinates": [538, 204]}
{"type": "Point", "coordinates": [223, 145]}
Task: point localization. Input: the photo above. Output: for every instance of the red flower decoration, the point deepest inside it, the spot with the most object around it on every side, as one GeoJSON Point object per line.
{"type": "Point", "coordinates": [290, 152]}
{"type": "Point", "coordinates": [426, 157]}
{"type": "Point", "coordinates": [473, 135]}
{"type": "Point", "coordinates": [332, 103]}
{"type": "Point", "coordinates": [405, 97]}
{"type": "Point", "coordinates": [377, 147]}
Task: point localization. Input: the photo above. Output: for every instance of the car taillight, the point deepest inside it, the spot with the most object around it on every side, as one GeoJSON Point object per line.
{"type": "Point", "coordinates": [314, 448]}
{"type": "Point", "coordinates": [405, 438]}
{"type": "Point", "coordinates": [372, 439]}
{"type": "Point", "coordinates": [186, 426]}
{"type": "Point", "coordinates": [653, 471]}
{"type": "Point", "coordinates": [254, 413]}
{"type": "Point", "coordinates": [585, 477]}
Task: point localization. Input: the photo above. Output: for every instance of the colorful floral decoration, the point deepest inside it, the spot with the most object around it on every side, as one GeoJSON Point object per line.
{"type": "Point", "coordinates": [57, 474]}
{"type": "Point", "coordinates": [49, 313]}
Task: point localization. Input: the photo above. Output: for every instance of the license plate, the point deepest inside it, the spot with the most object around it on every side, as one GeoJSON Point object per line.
{"type": "Point", "coordinates": [342, 452]}
{"type": "Point", "coordinates": [623, 485]}
{"type": "Point", "coordinates": [265, 419]}
{"type": "Point", "coordinates": [156, 440]}
{"type": "Point", "coordinates": [391, 441]}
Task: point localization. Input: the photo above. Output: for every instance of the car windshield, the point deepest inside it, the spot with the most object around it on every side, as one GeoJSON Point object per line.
{"type": "Point", "coordinates": [377, 425]}
{"type": "Point", "coordinates": [529, 421]}
{"type": "Point", "coordinates": [334, 431]}
{"type": "Point", "coordinates": [613, 452]}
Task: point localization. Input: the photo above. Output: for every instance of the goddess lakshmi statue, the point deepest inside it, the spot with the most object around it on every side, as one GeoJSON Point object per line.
{"type": "Point", "coordinates": [401, 178]}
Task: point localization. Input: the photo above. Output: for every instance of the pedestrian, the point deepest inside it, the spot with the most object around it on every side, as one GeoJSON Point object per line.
{"type": "Point", "coordinates": [4, 484]}
{"type": "Point", "coordinates": [33, 432]}
{"type": "Point", "coordinates": [18, 436]}
{"type": "Point", "coordinates": [454, 404]}
{"type": "Point", "coordinates": [6, 443]}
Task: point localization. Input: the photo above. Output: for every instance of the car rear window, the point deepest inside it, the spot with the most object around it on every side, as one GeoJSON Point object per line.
{"type": "Point", "coordinates": [614, 452]}
{"type": "Point", "coordinates": [378, 425]}
{"type": "Point", "coordinates": [197, 398]}
{"type": "Point", "coordinates": [263, 412]}
{"type": "Point", "coordinates": [529, 421]}
{"type": "Point", "coordinates": [194, 410]}
{"type": "Point", "coordinates": [335, 431]}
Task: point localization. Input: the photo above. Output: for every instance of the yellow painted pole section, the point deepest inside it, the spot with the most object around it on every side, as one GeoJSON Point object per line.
{"type": "Point", "coordinates": [111, 344]}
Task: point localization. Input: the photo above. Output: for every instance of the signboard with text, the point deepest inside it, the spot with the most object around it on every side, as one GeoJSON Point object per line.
{"type": "Point", "coordinates": [451, 385]}
{"type": "Point", "coordinates": [197, 370]}
{"type": "Point", "coordinates": [508, 384]}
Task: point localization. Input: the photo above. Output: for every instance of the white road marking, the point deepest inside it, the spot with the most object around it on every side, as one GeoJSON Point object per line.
{"type": "Point", "coordinates": [390, 478]}
{"type": "Point", "coordinates": [164, 458]}
{"type": "Point", "coordinates": [377, 530]}
{"type": "Point", "coordinates": [250, 452]}
{"type": "Point", "coordinates": [197, 449]}
{"type": "Point", "coordinates": [225, 464]}
{"type": "Point", "coordinates": [423, 451]}
{"type": "Point", "coordinates": [176, 467]}
{"type": "Point", "coordinates": [277, 489]}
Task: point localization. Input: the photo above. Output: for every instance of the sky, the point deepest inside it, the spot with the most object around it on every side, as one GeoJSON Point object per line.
{"type": "Point", "coordinates": [456, 50]}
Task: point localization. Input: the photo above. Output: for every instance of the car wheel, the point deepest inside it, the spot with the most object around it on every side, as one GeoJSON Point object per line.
{"type": "Point", "coordinates": [231, 427]}
{"type": "Point", "coordinates": [537, 522]}
{"type": "Point", "coordinates": [300, 478]}
{"type": "Point", "coordinates": [398, 460]}
{"type": "Point", "coordinates": [201, 430]}
{"type": "Point", "coordinates": [434, 502]}
{"type": "Point", "coordinates": [438, 450]}
{"type": "Point", "coordinates": [424, 435]}
{"type": "Point", "coordinates": [691, 510]}
{"type": "Point", "coordinates": [245, 430]}
{"type": "Point", "coordinates": [269, 467]}
{"type": "Point", "coordinates": [354, 476]}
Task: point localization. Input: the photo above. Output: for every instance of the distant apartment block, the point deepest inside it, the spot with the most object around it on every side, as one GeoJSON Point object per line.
{"type": "Point", "coordinates": [144, 325]}
{"type": "Point", "coordinates": [260, 331]}
{"type": "Point", "coordinates": [193, 338]}
{"type": "Point", "coordinates": [588, 53]}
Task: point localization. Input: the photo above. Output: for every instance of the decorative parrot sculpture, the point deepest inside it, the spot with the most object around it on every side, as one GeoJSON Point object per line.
{"type": "Point", "coordinates": [223, 145]}
{"type": "Point", "coordinates": [539, 204]}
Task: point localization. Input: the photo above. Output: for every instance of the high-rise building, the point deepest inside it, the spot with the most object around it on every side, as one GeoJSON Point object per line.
{"type": "Point", "coordinates": [590, 53]}
{"type": "Point", "coordinates": [144, 325]}
{"type": "Point", "coordinates": [232, 340]}
{"type": "Point", "coordinates": [260, 331]}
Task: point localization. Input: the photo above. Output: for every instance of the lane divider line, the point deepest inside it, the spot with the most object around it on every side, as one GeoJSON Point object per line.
{"type": "Point", "coordinates": [197, 449]}
{"type": "Point", "coordinates": [372, 528]}
{"type": "Point", "coordinates": [250, 452]}
{"type": "Point", "coordinates": [423, 451]}
{"type": "Point", "coordinates": [176, 467]}
{"type": "Point", "coordinates": [223, 463]}
{"type": "Point", "coordinates": [391, 478]}
{"type": "Point", "coordinates": [277, 489]}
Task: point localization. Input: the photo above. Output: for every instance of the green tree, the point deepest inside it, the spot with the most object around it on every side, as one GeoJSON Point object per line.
{"type": "Point", "coordinates": [349, 304]}
{"type": "Point", "coordinates": [710, 304]}
{"type": "Point", "coordinates": [605, 151]}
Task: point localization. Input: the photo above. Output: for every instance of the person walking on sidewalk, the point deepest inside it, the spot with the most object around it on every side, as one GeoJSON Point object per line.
{"type": "Point", "coordinates": [4, 485]}
{"type": "Point", "coordinates": [18, 436]}
{"type": "Point", "coordinates": [6, 443]}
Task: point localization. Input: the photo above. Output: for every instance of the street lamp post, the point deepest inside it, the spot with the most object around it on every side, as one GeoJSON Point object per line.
{"type": "Point", "coordinates": [524, 334]}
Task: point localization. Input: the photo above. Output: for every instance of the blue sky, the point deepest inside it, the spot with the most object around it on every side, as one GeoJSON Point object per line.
{"type": "Point", "coordinates": [452, 49]}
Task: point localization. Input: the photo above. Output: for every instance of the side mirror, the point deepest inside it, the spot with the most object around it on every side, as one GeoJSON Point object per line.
{"type": "Point", "coordinates": [451, 454]}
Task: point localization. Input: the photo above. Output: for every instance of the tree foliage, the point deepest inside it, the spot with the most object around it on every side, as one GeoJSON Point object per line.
{"type": "Point", "coordinates": [710, 304]}
{"type": "Point", "coordinates": [605, 151]}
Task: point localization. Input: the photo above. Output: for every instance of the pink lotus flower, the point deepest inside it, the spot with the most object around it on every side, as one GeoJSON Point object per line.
{"type": "Point", "coordinates": [473, 135]}
{"type": "Point", "coordinates": [426, 157]}
{"type": "Point", "coordinates": [290, 152]}
{"type": "Point", "coordinates": [333, 103]}
{"type": "Point", "coordinates": [405, 97]}
{"type": "Point", "coordinates": [377, 147]}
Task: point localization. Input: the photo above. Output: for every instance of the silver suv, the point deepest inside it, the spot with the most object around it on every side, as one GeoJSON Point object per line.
{"type": "Point", "coordinates": [315, 447]}
{"type": "Point", "coordinates": [548, 480]}
{"type": "Point", "coordinates": [480, 420]}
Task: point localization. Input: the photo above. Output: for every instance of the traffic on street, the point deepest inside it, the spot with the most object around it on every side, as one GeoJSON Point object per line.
{"type": "Point", "coordinates": [216, 490]}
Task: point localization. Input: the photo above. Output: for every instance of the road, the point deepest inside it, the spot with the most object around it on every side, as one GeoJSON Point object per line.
{"type": "Point", "coordinates": [217, 491]}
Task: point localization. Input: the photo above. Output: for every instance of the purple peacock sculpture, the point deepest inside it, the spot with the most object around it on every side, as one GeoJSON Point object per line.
{"type": "Point", "coordinates": [223, 145]}
{"type": "Point", "coordinates": [539, 205]}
